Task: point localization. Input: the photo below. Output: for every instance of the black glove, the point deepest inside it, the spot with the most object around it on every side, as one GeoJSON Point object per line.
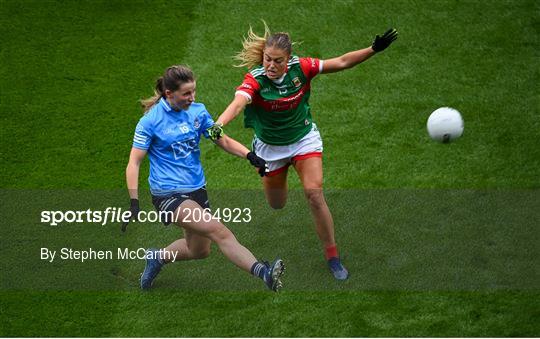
{"type": "Point", "coordinates": [382, 42]}
{"type": "Point", "coordinates": [134, 209]}
{"type": "Point", "coordinates": [258, 162]}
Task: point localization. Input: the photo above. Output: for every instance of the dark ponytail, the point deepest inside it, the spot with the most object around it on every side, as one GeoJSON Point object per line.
{"type": "Point", "coordinates": [172, 79]}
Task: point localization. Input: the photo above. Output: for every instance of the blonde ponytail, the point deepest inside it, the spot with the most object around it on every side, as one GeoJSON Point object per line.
{"type": "Point", "coordinates": [253, 46]}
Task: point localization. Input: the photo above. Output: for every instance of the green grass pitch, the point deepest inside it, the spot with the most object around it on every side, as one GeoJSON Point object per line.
{"type": "Point", "coordinates": [441, 240]}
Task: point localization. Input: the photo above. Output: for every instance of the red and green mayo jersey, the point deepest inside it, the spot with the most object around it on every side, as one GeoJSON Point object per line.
{"type": "Point", "coordinates": [279, 112]}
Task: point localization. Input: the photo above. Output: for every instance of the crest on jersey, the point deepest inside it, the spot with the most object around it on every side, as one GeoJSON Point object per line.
{"type": "Point", "coordinates": [196, 123]}
{"type": "Point", "coordinates": [296, 81]}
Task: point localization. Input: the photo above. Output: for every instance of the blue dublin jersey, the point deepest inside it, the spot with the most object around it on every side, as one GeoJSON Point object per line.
{"type": "Point", "coordinates": [171, 139]}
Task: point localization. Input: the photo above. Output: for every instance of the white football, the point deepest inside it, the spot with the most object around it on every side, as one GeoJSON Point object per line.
{"type": "Point", "coordinates": [445, 124]}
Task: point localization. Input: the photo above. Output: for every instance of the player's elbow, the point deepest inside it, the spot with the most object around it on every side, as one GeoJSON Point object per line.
{"type": "Point", "coordinates": [133, 163]}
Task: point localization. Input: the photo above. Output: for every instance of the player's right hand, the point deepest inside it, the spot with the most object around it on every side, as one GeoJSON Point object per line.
{"type": "Point", "coordinates": [215, 132]}
{"type": "Point", "coordinates": [258, 162]}
{"type": "Point", "coordinates": [134, 209]}
{"type": "Point", "coordinates": [382, 42]}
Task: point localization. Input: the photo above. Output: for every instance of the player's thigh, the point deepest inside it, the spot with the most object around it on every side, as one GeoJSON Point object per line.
{"type": "Point", "coordinates": [277, 181]}
{"type": "Point", "coordinates": [275, 188]}
{"type": "Point", "coordinates": [310, 171]}
{"type": "Point", "coordinates": [196, 221]}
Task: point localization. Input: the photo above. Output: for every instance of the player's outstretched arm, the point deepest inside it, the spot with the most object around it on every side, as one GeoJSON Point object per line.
{"type": "Point", "coordinates": [232, 146]}
{"type": "Point", "coordinates": [233, 110]}
{"type": "Point", "coordinates": [351, 59]}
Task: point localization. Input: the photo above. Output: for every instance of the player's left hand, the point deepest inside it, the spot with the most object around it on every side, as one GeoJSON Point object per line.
{"type": "Point", "coordinates": [135, 210]}
{"type": "Point", "coordinates": [382, 42]}
{"type": "Point", "coordinates": [258, 162]}
{"type": "Point", "coordinates": [215, 132]}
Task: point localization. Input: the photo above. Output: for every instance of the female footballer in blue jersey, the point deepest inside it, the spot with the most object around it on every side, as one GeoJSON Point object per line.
{"type": "Point", "coordinates": [275, 99]}
{"type": "Point", "coordinates": [169, 133]}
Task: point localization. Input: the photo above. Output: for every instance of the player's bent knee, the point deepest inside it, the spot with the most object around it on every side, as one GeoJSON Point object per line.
{"type": "Point", "coordinates": [277, 199]}
{"type": "Point", "coordinates": [277, 205]}
{"type": "Point", "coordinates": [201, 254]}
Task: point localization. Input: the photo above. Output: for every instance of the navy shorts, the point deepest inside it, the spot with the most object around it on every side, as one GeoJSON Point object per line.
{"type": "Point", "coordinates": [171, 202]}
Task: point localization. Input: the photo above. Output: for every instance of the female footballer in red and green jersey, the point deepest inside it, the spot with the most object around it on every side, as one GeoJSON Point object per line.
{"type": "Point", "coordinates": [275, 99]}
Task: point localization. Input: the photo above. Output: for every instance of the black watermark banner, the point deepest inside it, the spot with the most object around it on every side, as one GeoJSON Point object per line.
{"type": "Point", "coordinates": [399, 239]}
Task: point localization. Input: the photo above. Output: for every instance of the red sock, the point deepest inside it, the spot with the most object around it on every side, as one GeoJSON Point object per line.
{"type": "Point", "coordinates": [331, 252]}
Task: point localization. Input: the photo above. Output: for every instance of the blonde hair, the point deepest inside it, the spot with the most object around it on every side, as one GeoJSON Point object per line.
{"type": "Point", "coordinates": [254, 45]}
{"type": "Point", "coordinates": [174, 77]}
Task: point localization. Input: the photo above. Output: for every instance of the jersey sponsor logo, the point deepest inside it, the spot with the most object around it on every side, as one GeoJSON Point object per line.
{"type": "Point", "coordinates": [285, 103]}
{"type": "Point", "coordinates": [296, 81]}
{"type": "Point", "coordinates": [183, 149]}
{"type": "Point", "coordinates": [248, 86]}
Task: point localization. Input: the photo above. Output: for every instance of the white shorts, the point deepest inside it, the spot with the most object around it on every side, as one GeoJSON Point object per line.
{"type": "Point", "coordinates": [279, 158]}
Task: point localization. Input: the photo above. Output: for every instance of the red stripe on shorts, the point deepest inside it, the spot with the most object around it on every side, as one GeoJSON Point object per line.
{"type": "Point", "coordinates": [277, 171]}
{"type": "Point", "coordinates": [307, 155]}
